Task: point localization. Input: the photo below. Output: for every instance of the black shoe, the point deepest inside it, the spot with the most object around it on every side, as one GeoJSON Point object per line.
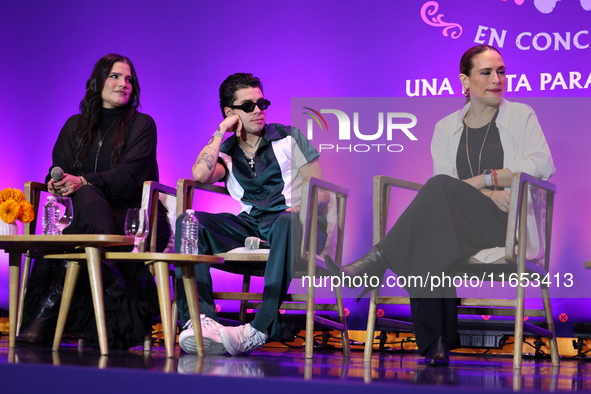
{"type": "Point", "coordinates": [438, 353]}
{"type": "Point", "coordinates": [41, 330]}
{"type": "Point", "coordinates": [371, 263]}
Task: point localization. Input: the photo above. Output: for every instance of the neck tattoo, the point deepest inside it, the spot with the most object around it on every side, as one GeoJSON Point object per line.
{"type": "Point", "coordinates": [256, 144]}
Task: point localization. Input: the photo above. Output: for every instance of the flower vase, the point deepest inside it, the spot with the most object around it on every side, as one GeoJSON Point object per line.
{"type": "Point", "coordinates": [8, 228]}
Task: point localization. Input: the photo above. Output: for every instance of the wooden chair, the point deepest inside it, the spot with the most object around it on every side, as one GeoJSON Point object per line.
{"type": "Point", "coordinates": [250, 264]}
{"type": "Point", "coordinates": [525, 189]}
{"type": "Point", "coordinates": [32, 192]}
{"type": "Point", "coordinates": [159, 265]}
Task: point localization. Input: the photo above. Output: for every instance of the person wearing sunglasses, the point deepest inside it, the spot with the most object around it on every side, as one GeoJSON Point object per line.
{"type": "Point", "coordinates": [262, 165]}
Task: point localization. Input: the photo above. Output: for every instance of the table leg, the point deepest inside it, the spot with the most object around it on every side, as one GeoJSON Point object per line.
{"type": "Point", "coordinates": [163, 283]}
{"type": "Point", "coordinates": [14, 262]}
{"type": "Point", "coordinates": [72, 273]}
{"type": "Point", "coordinates": [188, 274]}
{"type": "Point", "coordinates": [96, 287]}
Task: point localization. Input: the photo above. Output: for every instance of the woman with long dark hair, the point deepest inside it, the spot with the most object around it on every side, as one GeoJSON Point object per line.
{"type": "Point", "coordinates": [463, 208]}
{"type": "Point", "coordinates": [106, 153]}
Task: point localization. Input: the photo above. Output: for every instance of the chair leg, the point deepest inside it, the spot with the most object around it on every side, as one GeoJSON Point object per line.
{"type": "Point", "coordinates": [175, 311]}
{"type": "Point", "coordinates": [371, 325]}
{"type": "Point", "coordinates": [550, 322]}
{"type": "Point", "coordinates": [245, 289]}
{"type": "Point", "coordinates": [309, 350]}
{"type": "Point", "coordinates": [518, 336]}
{"type": "Point", "coordinates": [23, 291]}
{"type": "Point", "coordinates": [72, 273]}
{"type": "Point", "coordinates": [163, 283]}
{"type": "Point", "coordinates": [190, 284]}
{"type": "Point", "coordinates": [148, 343]}
{"type": "Point", "coordinates": [96, 288]}
{"type": "Point", "coordinates": [343, 320]}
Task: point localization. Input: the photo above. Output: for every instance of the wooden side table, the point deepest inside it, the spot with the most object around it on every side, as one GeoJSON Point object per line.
{"type": "Point", "coordinates": [16, 245]}
{"type": "Point", "coordinates": [161, 262]}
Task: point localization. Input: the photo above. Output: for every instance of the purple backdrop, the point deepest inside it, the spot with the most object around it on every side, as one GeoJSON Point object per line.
{"type": "Point", "coordinates": [182, 50]}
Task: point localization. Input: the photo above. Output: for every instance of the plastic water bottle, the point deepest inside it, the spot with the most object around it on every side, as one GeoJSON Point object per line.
{"type": "Point", "coordinates": [51, 213]}
{"type": "Point", "coordinates": [189, 233]}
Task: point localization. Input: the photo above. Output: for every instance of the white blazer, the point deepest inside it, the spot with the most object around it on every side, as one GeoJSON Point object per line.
{"type": "Point", "coordinates": [525, 150]}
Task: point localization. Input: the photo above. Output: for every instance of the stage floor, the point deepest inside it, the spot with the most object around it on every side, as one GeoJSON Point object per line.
{"type": "Point", "coordinates": [276, 370]}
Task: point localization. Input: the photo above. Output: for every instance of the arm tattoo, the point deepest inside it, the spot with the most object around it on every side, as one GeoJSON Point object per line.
{"type": "Point", "coordinates": [208, 159]}
{"type": "Point", "coordinates": [210, 140]}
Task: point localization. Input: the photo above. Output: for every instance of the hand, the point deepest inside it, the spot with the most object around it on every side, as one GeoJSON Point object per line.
{"type": "Point", "coordinates": [477, 182]}
{"type": "Point", "coordinates": [500, 197]}
{"type": "Point", "coordinates": [232, 123]}
{"type": "Point", "coordinates": [295, 209]}
{"type": "Point", "coordinates": [51, 188]}
{"type": "Point", "coordinates": [67, 186]}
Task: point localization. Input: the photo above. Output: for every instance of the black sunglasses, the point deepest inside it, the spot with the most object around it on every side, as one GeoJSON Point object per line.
{"type": "Point", "coordinates": [248, 106]}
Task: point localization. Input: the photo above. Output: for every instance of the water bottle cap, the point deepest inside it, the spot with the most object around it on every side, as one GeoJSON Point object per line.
{"type": "Point", "coordinates": [190, 211]}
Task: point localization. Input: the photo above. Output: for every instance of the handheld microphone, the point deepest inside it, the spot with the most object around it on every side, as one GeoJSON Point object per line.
{"type": "Point", "coordinates": [255, 243]}
{"type": "Point", "coordinates": [57, 173]}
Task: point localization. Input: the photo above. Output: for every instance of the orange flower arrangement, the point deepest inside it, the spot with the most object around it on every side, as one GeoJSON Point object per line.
{"type": "Point", "coordinates": [13, 206]}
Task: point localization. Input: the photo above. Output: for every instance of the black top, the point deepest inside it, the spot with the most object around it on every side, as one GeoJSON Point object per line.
{"type": "Point", "coordinates": [492, 152]}
{"type": "Point", "coordinates": [275, 180]}
{"type": "Point", "coordinates": [122, 183]}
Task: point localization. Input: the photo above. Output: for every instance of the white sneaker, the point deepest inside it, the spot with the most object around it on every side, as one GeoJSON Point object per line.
{"type": "Point", "coordinates": [242, 340]}
{"type": "Point", "coordinates": [210, 329]}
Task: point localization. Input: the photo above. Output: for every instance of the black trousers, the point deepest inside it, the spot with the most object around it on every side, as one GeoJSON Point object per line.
{"type": "Point", "coordinates": [448, 221]}
{"type": "Point", "coordinates": [222, 232]}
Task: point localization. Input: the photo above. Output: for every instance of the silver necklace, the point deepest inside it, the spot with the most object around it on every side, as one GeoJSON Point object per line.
{"type": "Point", "coordinates": [249, 155]}
{"type": "Point", "coordinates": [481, 148]}
{"type": "Point", "coordinates": [100, 143]}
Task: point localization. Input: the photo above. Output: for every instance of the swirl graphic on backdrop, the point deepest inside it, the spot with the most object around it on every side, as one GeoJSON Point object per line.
{"type": "Point", "coordinates": [429, 9]}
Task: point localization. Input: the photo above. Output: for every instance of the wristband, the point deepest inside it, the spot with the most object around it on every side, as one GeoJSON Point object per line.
{"type": "Point", "coordinates": [218, 134]}
{"type": "Point", "coordinates": [488, 177]}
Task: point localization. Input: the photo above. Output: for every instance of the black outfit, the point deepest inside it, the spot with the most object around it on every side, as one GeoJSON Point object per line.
{"type": "Point", "coordinates": [100, 208]}
{"type": "Point", "coordinates": [447, 222]}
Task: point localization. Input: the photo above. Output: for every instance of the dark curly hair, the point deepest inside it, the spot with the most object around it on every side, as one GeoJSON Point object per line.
{"type": "Point", "coordinates": [236, 82]}
{"type": "Point", "coordinates": [91, 105]}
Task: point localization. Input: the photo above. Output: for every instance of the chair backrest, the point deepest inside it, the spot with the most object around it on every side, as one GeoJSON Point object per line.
{"type": "Point", "coordinates": [33, 192]}
{"type": "Point", "coordinates": [308, 213]}
{"type": "Point", "coordinates": [152, 193]}
{"type": "Point", "coordinates": [335, 215]}
{"type": "Point", "coordinates": [529, 220]}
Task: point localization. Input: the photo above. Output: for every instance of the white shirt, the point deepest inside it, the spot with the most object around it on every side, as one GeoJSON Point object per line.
{"type": "Point", "coordinates": [525, 150]}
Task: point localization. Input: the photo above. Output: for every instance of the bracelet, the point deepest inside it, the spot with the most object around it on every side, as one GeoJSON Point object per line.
{"type": "Point", "coordinates": [495, 180]}
{"type": "Point", "coordinates": [218, 134]}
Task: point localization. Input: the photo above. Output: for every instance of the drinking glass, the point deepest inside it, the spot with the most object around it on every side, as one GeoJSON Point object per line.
{"type": "Point", "coordinates": [66, 212]}
{"type": "Point", "coordinates": [136, 225]}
